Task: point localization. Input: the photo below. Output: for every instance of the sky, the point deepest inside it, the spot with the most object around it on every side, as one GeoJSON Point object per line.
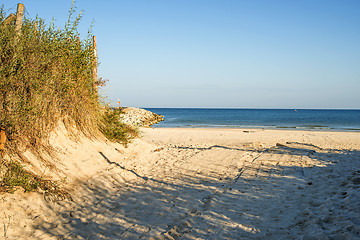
{"type": "Point", "coordinates": [220, 53]}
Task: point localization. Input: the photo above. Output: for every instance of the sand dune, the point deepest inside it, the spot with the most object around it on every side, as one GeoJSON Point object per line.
{"type": "Point", "coordinates": [198, 184]}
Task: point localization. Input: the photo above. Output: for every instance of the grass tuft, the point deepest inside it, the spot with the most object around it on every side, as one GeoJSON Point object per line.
{"type": "Point", "coordinates": [16, 176]}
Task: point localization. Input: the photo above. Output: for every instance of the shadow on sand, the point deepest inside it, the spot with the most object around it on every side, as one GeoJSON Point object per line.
{"type": "Point", "coordinates": [271, 197]}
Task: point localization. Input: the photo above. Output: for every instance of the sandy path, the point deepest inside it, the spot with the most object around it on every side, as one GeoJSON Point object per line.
{"type": "Point", "coordinates": [213, 184]}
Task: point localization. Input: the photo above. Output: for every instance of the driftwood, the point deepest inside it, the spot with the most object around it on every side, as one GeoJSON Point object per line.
{"type": "Point", "coordinates": [94, 69]}
{"type": "Point", "coordinates": [19, 18]}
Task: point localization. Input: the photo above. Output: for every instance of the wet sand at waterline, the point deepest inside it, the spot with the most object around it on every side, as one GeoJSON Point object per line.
{"type": "Point", "coordinates": [197, 184]}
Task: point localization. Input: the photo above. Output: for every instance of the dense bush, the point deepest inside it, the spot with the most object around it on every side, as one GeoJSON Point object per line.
{"type": "Point", "coordinates": [45, 76]}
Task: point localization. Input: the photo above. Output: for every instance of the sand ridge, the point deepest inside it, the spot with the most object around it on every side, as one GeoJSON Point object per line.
{"type": "Point", "coordinates": [202, 184]}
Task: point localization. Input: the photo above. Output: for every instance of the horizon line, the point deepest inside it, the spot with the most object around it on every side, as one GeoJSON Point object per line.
{"type": "Point", "coordinates": [259, 108]}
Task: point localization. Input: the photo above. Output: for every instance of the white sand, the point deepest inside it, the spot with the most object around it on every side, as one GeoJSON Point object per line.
{"type": "Point", "coordinates": [197, 184]}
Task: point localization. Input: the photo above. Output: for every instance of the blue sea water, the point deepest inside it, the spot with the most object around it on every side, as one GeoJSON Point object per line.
{"type": "Point", "coordinates": [302, 119]}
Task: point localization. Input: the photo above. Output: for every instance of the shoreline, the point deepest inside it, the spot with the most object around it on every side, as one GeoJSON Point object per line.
{"type": "Point", "coordinates": [254, 128]}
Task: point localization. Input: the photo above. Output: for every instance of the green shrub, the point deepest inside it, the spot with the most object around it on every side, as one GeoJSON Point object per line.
{"type": "Point", "coordinates": [114, 129]}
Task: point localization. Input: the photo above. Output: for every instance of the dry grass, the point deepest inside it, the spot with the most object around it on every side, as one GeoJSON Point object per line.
{"type": "Point", "coordinates": [46, 77]}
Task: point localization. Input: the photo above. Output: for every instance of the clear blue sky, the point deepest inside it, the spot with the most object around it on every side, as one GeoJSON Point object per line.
{"type": "Point", "coordinates": [223, 53]}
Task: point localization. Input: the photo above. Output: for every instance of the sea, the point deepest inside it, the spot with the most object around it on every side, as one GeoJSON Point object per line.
{"type": "Point", "coordinates": [301, 119]}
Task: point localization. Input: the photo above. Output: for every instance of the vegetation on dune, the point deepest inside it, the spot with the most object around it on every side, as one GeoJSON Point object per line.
{"type": "Point", "coordinates": [16, 176]}
{"type": "Point", "coordinates": [46, 77]}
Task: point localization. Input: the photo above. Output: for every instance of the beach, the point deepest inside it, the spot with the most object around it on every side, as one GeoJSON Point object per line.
{"type": "Point", "coordinates": [192, 183]}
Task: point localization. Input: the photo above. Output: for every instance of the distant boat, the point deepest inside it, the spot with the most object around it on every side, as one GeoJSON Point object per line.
{"type": "Point", "coordinates": [295, 110]}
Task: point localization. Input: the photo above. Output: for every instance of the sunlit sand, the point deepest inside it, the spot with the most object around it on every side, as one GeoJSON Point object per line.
{"type": "Point", "coordinates": [199, 184]}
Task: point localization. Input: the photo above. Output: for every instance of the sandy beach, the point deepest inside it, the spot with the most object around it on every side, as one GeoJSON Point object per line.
{"type": "Point", "coordinates": [196, 184]}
